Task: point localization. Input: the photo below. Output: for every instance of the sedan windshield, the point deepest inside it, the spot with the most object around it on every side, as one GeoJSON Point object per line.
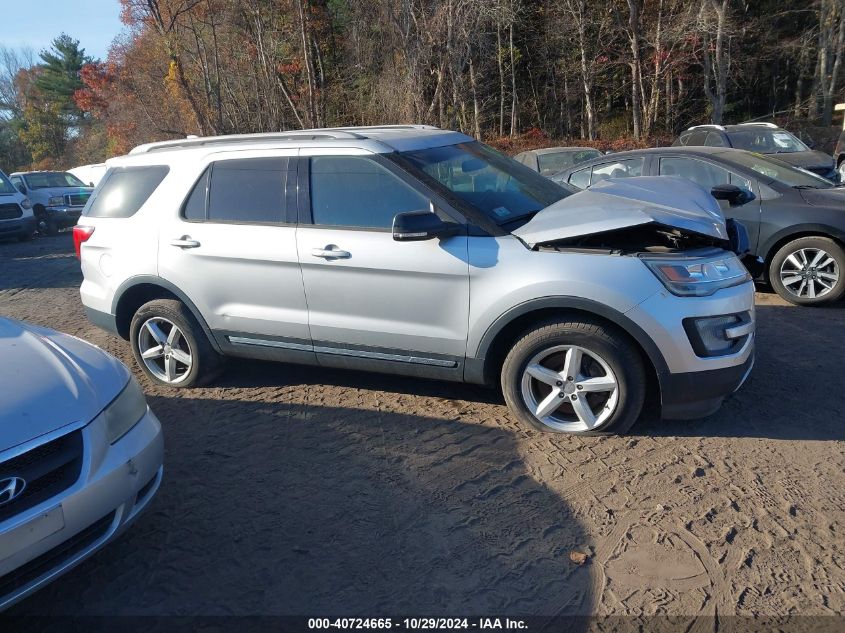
{"type": "Point", "coordinates": [767, 141]}
{"type": "Point", "coordinates": [778, 170]}
{"type": "Point", "coordinates": [45, 179]}
{"type": "Point", "coordinates": [6, 187]}
{"type": "Point", "coordinates": [558, 161]}
{"type": "Point", "coordinates": [481, 177]}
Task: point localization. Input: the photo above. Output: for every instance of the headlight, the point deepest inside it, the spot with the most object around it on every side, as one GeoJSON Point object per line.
{"type": "Point", "coordinates": [55, 201]}
{"type": "Point", "coordinates": [26, 204]}
{"type": "Point", "coordinates": [125, 411]}
{"type": "Point", "coordinates": [698, 276]}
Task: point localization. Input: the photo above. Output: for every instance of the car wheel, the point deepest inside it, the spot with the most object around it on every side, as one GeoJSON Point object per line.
{"type": "Point", "coordinates": [809, 271]}
{"type": "Point", "coordinates": [45, 225]}
{"type": "Point", "coordinates": [841, 170]}
{"type": "Point", "coordinates": [170, 347]}
{"type": "Point", "coordinates": [575, 377]}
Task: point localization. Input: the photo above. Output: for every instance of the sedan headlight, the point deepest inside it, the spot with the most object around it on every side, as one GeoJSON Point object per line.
{"type": "Point", "coordinates": [698, 276]}
{"type": "Point", "coordinates": [55, 201]}
{"type": "Point", "coordinates": [26, 205]}
{"type": "Point", "coordinates": [125, 411]}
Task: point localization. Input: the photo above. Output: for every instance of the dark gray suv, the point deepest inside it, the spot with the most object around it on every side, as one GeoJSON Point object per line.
{"type": "Point", "coordinates": [763, 138]}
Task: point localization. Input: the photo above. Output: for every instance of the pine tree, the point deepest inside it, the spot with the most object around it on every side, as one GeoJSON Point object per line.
{"type": "Point", "coordinates": [59, 75]}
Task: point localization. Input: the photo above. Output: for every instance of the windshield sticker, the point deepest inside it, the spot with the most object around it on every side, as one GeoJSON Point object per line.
{"type": "Point", "coordinates": [502, 212]}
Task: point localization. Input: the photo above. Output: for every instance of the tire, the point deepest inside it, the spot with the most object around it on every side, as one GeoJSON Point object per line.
{"type": "Point", "coordinates": [841, 170]}
{"type": "Point", "coordinates": [45, 225]}
{"type": "Point", "coordinates": [810, 285]}
{"type": "Point", "coordinates": [605, 354]}
{"type": "Point", "coordinates": [170, 367]}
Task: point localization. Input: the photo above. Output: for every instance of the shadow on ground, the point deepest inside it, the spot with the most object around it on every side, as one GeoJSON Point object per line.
{"type": "Point", "coordinates": [272, 508]}
{"type": "Point", "coordinates": [42, 263]}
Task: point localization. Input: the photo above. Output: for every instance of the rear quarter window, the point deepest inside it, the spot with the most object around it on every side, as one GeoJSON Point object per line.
{"type": "Point", "coordinates": [124, 190]}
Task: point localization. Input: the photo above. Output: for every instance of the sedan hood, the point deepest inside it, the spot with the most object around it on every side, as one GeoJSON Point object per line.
{"type": "Point", "coordinates": [833, 197]}
{"type": "Point", "coordinates": [625, 202]}
{"type": "Point", "coordinates": [806, 160]}
{"type": "Point", "coordinates": [49, 380]}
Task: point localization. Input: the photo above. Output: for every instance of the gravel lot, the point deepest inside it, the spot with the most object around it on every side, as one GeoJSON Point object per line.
{"type": "Point", "coordinates": [292, 490]}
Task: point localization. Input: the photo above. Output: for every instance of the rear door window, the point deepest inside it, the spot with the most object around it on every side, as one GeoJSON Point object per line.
{"type": "Point", "coordinates": [617, 169]}
{"type": "Point", "coordinates": [714, 139]}
{"type": "Point", "coordinates": [124, 191]}
{"type": "Point", "coordinates": [243, 190]}
{"type": "Point", "coordinates": [580, 178]}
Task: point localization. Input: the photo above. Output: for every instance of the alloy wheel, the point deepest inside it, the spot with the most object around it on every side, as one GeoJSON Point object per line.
{"type": "Point", "coordinates": [164, 350]}
{"type": "Point", "coordinates": [809, 273]}
{"type": "Point", "coordinates": [570, 388]}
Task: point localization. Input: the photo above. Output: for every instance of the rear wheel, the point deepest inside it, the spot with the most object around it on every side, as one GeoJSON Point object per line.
{"type": "Point", "coordinates": [841, 170]}
{"type": "Point", "coordinates": [809, 271]}
{"type": "Point", "coordinates": [575, 377]}
{"type": "Point", "coordinates": [170, 347]}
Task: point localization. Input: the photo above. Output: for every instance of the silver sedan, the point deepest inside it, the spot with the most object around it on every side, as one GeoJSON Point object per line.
{"type": "Point", "coordinates": [80, 454]}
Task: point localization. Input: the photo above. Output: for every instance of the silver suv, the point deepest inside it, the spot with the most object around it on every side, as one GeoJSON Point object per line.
{"type": "Point", "coordinates": [419, 251]}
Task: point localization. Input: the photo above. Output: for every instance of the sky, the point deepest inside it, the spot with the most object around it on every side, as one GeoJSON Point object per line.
{"type": "Point", "coordinates": [35, 23]}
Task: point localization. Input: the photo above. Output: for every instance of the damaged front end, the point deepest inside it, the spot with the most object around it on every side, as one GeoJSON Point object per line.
{"type": "Point", "coordinates": [648, 217]}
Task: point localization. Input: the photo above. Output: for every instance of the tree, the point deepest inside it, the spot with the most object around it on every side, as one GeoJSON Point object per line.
{"type": "Point", "coordinates": [59, 75]}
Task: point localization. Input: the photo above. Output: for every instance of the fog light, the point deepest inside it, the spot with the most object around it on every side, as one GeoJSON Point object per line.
{"type": "Point", "coordinates": [718, 335]}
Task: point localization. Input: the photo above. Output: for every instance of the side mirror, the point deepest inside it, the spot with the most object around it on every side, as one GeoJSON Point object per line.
{"type": "Point", "coordinates": [414, 226]}
{"type": "Point", "coordinates": [736, 196]}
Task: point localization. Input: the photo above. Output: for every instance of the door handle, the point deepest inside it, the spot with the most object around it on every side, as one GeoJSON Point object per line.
{"type": "Point", "coordinates": [185, 242]}
{"type": "Point", "coordinates": [330, 252]}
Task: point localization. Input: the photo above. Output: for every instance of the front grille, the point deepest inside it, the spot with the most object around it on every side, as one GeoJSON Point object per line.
{"type": "Point", "coordinates": [76, 199]}
{"type": "Point", "coordinates": [47, 469]}
{"type": "Point", "coordinates": [10, 211]}
{"type": "Point", "coordinates": [63, 552]}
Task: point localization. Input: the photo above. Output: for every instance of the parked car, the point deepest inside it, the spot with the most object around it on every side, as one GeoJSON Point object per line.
{"type": "Point", "coordinates": [421, 252]}
{"type": "Point", "coordinates": [57, 197]}
{"type": "Point", "coordinates": [795, 219]}
{"type": "Point", "coordinates": [80, 454]}
{"type": "Point", "coordinates": [16, 219]}
{"type": "Point", "coordinates": [763, 138]}
{"type": "Point", "coordinates": [551, 160]}
{"type": "Point", "coordinates": [91, 174]}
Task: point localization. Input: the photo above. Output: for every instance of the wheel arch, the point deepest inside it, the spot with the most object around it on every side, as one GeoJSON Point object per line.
{"type": "Point", "coordinates": [504, 331]}
{"type": "Point", "coordinates": [779, 239]}
{"type": "Point", "coordinates": [137, 291]}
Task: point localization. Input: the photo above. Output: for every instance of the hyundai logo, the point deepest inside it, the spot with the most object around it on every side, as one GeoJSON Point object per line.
{"type": "Point", "coordinates": [10, 489]}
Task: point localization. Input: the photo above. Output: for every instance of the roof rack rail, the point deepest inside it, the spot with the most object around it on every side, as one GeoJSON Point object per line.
{"type": "Point", "coordinates": [718, 127]}
{"type": "Point", "coordinates": [266, 137]}
{"type": "Point", "coordinates": [761, 124]}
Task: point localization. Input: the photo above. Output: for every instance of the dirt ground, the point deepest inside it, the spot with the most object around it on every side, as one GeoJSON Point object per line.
{"type": "Point", "coordinates": [293, 490]}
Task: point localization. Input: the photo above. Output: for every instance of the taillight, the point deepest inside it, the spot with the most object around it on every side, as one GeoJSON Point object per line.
{"type": "Point", "coordinates": [80, 235]}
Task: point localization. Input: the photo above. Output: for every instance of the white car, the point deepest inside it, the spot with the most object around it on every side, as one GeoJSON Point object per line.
{"type": "Point", "coordinates": [90, 174]}
{"type": "Point", "coordinates": [80, 454]}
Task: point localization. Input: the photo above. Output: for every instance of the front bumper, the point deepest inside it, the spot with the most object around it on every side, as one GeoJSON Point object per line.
{"type": "Point", "coordinates": [693, 386]}
{"type": "Point", "coordinates": [116, 483]}
{"type": "Point", "coordinates": [64, 217]}
{"type": "Point", "coordinates": [19, 226]}
{"type": "Point", "coordinates": [698, 394]}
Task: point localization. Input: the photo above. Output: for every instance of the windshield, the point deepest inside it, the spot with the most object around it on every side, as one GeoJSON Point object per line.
{"type": "Point", "coordinates": [558, 161]}
{"type": "Point", "coordinates": [778, 170]}
{"type": "Point", "coordinates": [45, 179]}
{"type": "Point", "coordinates": [6, 187]}
{"type": "Point", "coordinates": [767, 141]}
{"type": "Point", "coordinates": [481, 177]}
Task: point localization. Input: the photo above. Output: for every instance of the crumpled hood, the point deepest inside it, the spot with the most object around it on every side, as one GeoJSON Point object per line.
{"type": "Point", "coordinates": [806, 160]}
{"type": "Point", "coordinates": [624, 202]}
{"type": "Point", "coordinates": [834, 197]}
{"type": "Point", "coordinates": [49, 380]}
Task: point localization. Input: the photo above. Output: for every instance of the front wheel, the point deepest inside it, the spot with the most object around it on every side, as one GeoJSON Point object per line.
{"type": "Point", "coordinates": [575, 377]}
{"type": "Point", "coordinates": [170, 347]}
{"type": "Point", "coordinates": [809, 271]}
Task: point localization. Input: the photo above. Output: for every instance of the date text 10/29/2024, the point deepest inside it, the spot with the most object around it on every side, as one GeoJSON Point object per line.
{"type": "Point", "coordinates": [418, 624]}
